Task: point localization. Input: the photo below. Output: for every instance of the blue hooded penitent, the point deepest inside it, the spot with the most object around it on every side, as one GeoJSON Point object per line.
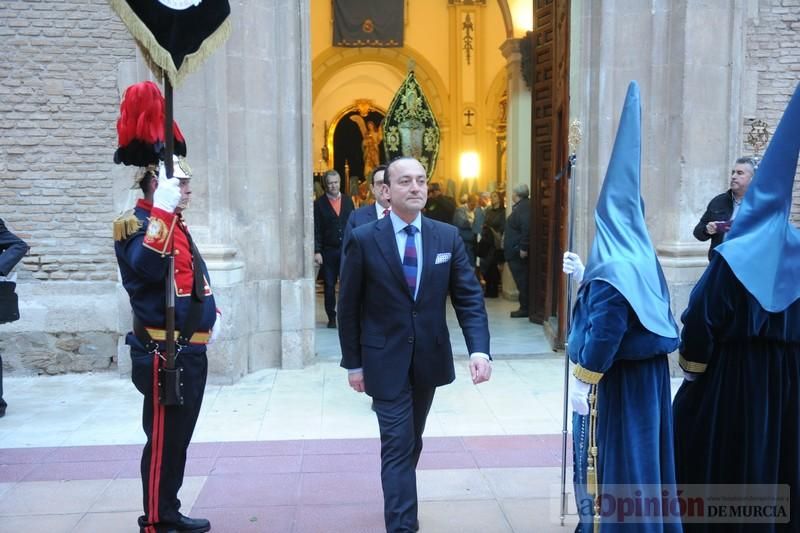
{"type": "Point", "coordinates": [622, 253]}
{"type": "Point", "coordinates": [763, 248]}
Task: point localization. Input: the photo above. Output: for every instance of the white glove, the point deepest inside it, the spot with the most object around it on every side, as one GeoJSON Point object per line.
{"type": "Point", "coordinates": [168, 193]}
{"type": "Point", "coordinates": [216, 328]}
{"type": "Point", "coordinates": [579, 395]}
{"type": "Point", "coordinates": [572, 265]}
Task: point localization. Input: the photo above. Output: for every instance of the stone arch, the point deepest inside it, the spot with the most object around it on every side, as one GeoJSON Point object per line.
{"type": "Point", "coordinates": [507, 20]}
{"type": "Point", "coordinates": [495, 93]}
{"type": "Point", "coordinates": [332, 60]}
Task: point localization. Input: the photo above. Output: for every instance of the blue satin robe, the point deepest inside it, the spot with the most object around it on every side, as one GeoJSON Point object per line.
{"type": "Point", "coordinates": [634, 420]}
{"type": "Point", "coordinates": [738, 422]}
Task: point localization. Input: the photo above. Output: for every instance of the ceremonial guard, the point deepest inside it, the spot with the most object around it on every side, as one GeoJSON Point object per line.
{"type": "Point", "coordinates": [621, 333]}
{"type": "Point", "coordinates": [144, 240]}
{"type": "Point", "coordinates": [737, 415]}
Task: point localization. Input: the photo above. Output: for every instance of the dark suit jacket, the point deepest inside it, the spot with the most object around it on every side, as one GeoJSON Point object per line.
{"type": "Point", "coordinates": [328, 227]}
{"type": "Point", "coordinates": [383, 330]}
{"type": "Point", "coordinates": [442, 209]}
{"type": "Point", "coordinates": [363, 215]}
{"type": "Point", "coordinates": [516, 235]}
{"type": "Point", "coordinates": [12, 249]}
{"type": "Point", "coordinates": [720, 208]}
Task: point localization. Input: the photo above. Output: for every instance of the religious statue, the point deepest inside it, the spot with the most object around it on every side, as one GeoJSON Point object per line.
{"type": "Point", "coordinates": [410, 128]}
{"type": "Point", "coordinates": [371, 137]}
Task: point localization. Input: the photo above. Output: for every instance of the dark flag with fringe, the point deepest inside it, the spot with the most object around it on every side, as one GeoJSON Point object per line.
{"type": "Point", "coordinates": [363, 23]}
{"type": "Point", "coordinates": [175, 36]}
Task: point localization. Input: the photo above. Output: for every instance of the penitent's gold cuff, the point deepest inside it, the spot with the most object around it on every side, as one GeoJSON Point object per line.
{"type": "Point", "coordinates": [587, 376]}
{"type": "Point", "coordinates": [691, 366]}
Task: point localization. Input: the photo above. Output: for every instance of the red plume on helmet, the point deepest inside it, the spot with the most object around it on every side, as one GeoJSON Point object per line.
{"type": "Point", "coordinates": [140, 126]}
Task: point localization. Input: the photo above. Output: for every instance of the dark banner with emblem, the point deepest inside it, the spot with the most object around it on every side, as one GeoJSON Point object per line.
{"type": "Point", "coordinates": [362, 23]}
{"type": "Point", "coordinates": [410, 127]}
{"type": "Point", "coordinates": [175, 36]}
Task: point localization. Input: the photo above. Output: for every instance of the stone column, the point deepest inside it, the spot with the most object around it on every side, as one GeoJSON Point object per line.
{"type": "Point", "coordinates": [246, 115]}
{"type": "Point", "coordinates": [518, 159]}
{"type": "Point", "coordinates": [690, 83]}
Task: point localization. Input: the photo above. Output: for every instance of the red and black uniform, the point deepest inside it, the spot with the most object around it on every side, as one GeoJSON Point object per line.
{"type": "Point", "coordinates": [143, 264]}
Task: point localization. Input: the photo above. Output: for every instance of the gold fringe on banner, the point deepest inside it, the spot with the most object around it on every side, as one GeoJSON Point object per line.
{"type": "Point", "coordinates": [157, 57]}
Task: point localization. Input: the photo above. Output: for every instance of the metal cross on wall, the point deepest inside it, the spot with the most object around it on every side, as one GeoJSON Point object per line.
{"type": "Point", "coordinates": [468, 114]}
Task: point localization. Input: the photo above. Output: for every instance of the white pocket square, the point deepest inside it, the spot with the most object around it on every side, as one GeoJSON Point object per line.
{"type": "Point", "coordinates": [442, 258]}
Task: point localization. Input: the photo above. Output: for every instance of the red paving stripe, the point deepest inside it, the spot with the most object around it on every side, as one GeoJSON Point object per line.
{"type": "Point", "coordinates": [275, 457]}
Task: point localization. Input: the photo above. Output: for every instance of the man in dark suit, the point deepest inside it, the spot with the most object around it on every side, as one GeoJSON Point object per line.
{"type": "Point", "coordinates": [393, 329]}
{"type": "Point", "coordinates": [331, 212]}
{"type": "Point", "coordinates": [374, 211]}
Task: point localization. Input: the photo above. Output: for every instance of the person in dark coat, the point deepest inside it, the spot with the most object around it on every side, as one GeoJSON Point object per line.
{"type": "Point", "coordinates": [737, 414]}
{"type": "Point", "coordinates": [490, 246]}
{"type": "Point", "coordinates": [515, 245]}
{"type": "Point", "coordinates": [331, 212]}
{"type": "Point", "coordinates": [370, 212]}
{"type": "Point", "coordinates": [439, 206]}
{"type": "Point", "coordinates": [723, 208]}
{"type": "Point", "coordinates": [12, 250]}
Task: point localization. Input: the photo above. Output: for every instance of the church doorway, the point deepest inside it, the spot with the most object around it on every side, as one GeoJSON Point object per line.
{"type": "Point", "coordinates": [356, 145]}
{"type": "Point", "coordinates": [549, 46]}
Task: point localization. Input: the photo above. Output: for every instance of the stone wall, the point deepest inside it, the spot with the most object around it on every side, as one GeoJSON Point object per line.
{"type": "Point", "coordinates": [246, 113]}
{"type": "Point", "coordinates": [58, 107]}
{"type": "Point", "coordinates": [59, 101]}
{"type": "Point", "coordinates": [772, 67]}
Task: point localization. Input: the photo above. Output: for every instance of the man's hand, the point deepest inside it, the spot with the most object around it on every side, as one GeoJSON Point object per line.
{"type": "Point", "coordinates": [523, 254]}
{"type": "Point", "coordinates": [572, 265]}
{"type": "Point", "coordinates": [356, 380]}
{"type": "Point", "coordinates": [480, 369]}
{"type": "Point", "coordinates": [579, 395]}
{"type": "Point", "coordinates": [168, 193]}
{"type": "Point", "coordinates": [318, 259]}
{"type": "Point", "coordinates": [711, 228]}
{"type": "Point", "coordinates": [216, 328]}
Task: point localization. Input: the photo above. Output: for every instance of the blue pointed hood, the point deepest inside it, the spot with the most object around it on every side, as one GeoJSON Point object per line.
{"type": "Point", "coordinates": [622, 253]}
{"type": "Point", "coordinates": [763, 247]}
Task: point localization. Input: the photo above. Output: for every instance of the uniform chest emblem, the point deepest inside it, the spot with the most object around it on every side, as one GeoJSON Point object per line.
{"type": "Point", "coordinates": [156, 230]}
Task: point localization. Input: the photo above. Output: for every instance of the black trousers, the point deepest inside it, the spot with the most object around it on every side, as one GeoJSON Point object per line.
{"type": "Point", "coordinates": [169, 430]}
{"type": "Point", "coordinates": [331, 260]}
{"type": "Point", "coordinates": [519, 271]}
{"type": "Point", "coordinates": [401, 422]}
{"type": "Point", "coordinates": [491, 274]}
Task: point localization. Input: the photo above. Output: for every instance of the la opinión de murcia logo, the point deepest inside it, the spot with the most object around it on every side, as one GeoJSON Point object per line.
{"type": "Point", "coordinates": [180, 5]}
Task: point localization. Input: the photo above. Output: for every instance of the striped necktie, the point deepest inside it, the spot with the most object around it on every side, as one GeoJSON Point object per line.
{"type": "Point", "coordinates": [410, 260]}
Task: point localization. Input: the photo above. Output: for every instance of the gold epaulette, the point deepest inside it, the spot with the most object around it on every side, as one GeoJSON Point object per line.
{"type": "Point", "coordinates": [587, 376]}
{"type": "Point", "coordinates": [126, 225]}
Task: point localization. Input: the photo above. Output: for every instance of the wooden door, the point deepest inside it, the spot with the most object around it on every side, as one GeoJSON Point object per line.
{"type": "Point", "coordinates": [549, 153]}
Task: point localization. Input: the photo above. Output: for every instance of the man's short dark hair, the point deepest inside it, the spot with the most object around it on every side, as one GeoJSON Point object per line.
{"type": "Point", "coordinates": [375, 171]}
{"type": "Point", "coordinates": [435, 187]}
{"type": "Point", "coordinates": [386, 178]}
